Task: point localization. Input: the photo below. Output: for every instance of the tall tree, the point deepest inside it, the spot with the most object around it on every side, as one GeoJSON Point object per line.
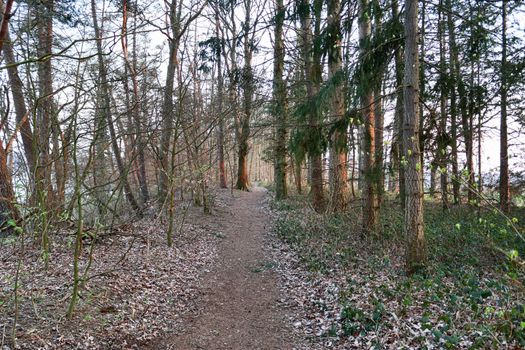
{"type": "Point", "coordinates": [177, 29]}
{"type": "Point", "coordinates": [370, 200]}
{"type": "Point", "coordinates": [220, 103]}
{"type": "Point", "coordinates": [416, 251]}
{"type": "Point", "coordinates": [311, 54]}
{"type": "Point", "coordinates": [453, 58]}
{"type": "Point", "coordinates": [248, 86]}
{"type": "Point", "coordinates": [504, 191]}
{"type": "Point", "coordinates": [379, 116]}
{"type": "Point", "coordinates": [104, 116]}
{"type": "Point", "coordinates": [467, 128]}
{"type": "Point", "coordinates": [136, 109]}
{"type": "Point", "coordinates": [397, 144]}
{"type": "Point", "coordinates": [279, 103]}
{"type": "Point", "coordinates": [22, 114]}
{"type": "Point", "coordinates": [442, 135]}
{"type": "Point", "coordinates": [45, 104]}
{"type": "Point", "coordinates": [167, 101]}
{"type": "Point", "coordinates": [8, 209]}
{"type": "Point", "coordinates": [422, 82]}
{"type": "Point", "coordinates": [338, 154]}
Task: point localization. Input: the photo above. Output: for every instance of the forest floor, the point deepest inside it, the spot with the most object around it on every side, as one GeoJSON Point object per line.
{"type": "Point", "coordinates": [216, 288]}
{"type": "Point", "coordinates": [239, 307]}
{"type": "Point", "coordinates": [260, 274]}
{"type": "Point", "coordinates": [350, 291]}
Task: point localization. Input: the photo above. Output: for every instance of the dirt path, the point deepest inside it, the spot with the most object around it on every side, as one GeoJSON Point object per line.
{"type": "Point", "coordinates": [239, 308]}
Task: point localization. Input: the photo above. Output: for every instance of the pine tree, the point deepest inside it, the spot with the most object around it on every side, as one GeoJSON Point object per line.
{"type": "Point", "coordinates": [370, 199]}
{"type": "Point", "coordinates": [338, 154]}
{"type": "Point", "coordinates": [504, 191]}
{"type": "Point", "coordinates": [416, 254]}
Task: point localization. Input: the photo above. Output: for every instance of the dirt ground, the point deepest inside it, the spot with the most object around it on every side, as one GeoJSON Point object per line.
{"type": "Point", "coordinates": [217, 288]}
{"type": "Point", "coordinates": [239, 308]}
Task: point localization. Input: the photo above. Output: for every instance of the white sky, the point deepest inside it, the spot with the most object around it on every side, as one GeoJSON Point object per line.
{"type": "Point", "coordinates": [263, 61]}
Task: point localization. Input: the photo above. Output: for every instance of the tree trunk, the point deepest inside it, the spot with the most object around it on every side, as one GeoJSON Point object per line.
{"type": "Point", "coordinates": [4, 26]}
{"type": "Point", "coordinates": [466, 121]}
{"type": "Point", "coordinates": [442, 136]}
{"type": "Point", "coordinates": [232, 88]}
{"type": "Point", "coordinates": [279, 104]}
{"type": "Point", "coordinates": [353, 147]}
{"type": "Point", "coordinates": [22, 114]}
{"type": "Point", "coordinates": [504, 190]}
{"type": "Point", "coordinates": [397, 145]}
{"type": "Point", "coordinates": [8, 210]}
{"type": "Point", "coordinates": [370, 200]}
{"type": "Point", "coordinates": [422, 86]}
{"type": "Point", "coordinates": [379, 118]}
{"type": "Point", "coordinates": [312, 74]}
{"type": "Point", "coordinates": [167, 105]}
{"type": "Point", "coordinates": [416, 251]}
{"type": "Point", "coordinates": [453, 104]}
{"type": "Point", "coordinates": [60, 157]}
{"type": "Point", "coordinates": [298, 175]}
{"type": "Point", "coordinates": [105, 113]}
{"type": "Point", "coordinates": [45, 106]}
{"type": "Point", "coordinates": [379, 140]}
{"type": "Point", "coordinates": [140, 144]}
{"type": "Point", "coordinates": [338, 155]}
{"type": "Point", "coordinates": [220, 97]}
{"type": "Point", "coordinates": [247, 85]}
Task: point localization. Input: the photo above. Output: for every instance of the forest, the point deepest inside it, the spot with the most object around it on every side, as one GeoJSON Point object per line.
{"type": "Point", "coordinates": [262, 174]}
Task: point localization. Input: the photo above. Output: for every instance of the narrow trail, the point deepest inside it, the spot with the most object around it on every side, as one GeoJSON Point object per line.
{"type": "Point", "coordinates": [239, 308]}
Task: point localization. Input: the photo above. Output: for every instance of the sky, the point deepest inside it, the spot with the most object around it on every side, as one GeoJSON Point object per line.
{"type": "Point", "coordinates": [157, 42]}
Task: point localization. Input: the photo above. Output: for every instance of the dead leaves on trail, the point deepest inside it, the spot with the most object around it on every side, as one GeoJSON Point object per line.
{"type": "Point", "coordinates": [138, 288]}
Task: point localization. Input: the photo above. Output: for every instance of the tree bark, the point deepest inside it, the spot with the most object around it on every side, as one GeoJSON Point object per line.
{"type": "Point", "coordinates": [453, 104]}
{"type": "Point", "coordinates": [312, 74]}
{"type": "Point", "coordinates": [105, 113]}
{"type": "Point", "coordinates": [422, 85]}
{"type": "Point", "coordinates": [298, 175]}
{"type": "Point", "coordinates": [167, 104]}
{"type": "Point", "coordinates": [370, 200]}
{"type": "Point", "coordinates": [397, 145]}
{"type": "Point", "coordinates": [338, 153]}
{"type": "Point", "coordinates": [379, 119]}
{"type": "Point", "coordinates": [45, 107]}
{"type": "Point", "coordinates": [416, 250]}
{"type": "Point", "coordinates": [247, 85]}
{"type": "Point", "coordinates": [140, 144]}
{"type": "Point", "coordinates": [4, 26]}
{"type": "Point", "coordinates": [22, 114]}
{"type": "Point", "coordinates": [8, 210]}
{"type": "Point", "coordinates": [279, 104]}
{"type": "Point", "coordinates": [220, 97]}
{"type": "Point", "coordinates": [379, 122]}
{"type": "Point", "coordinates": [442, 136]}
{"type": "Point", "coordinates": [504, 190]}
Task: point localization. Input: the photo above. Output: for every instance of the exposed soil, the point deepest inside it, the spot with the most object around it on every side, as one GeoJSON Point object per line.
{"type": "Point", "coordinates": [217, 288]}
{"type": "Point", "coordinates": [239, 308]}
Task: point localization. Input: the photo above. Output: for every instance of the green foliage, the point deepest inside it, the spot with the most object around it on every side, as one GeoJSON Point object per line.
{"type": "Point", "coordinates": [321, 241]}
{"type": "Point", "coordinates": [14, 226]}
{"type": "Point", "coordinates": [379, 49]}
{"type": "Point", "coordinates": [466, 293]}
{"type": "Point", "coordinates": [512, 323]}
{"type": "Point", "coordinates": [314, 140]}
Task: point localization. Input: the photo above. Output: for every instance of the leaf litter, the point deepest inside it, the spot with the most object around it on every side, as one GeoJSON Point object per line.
{"type": "Point", "coordinates": [368, 303]}
{"type": "Point", "coordinates": [137, 288]}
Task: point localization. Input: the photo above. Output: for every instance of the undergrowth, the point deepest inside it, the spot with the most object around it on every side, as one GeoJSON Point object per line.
{"type": "Point", "coordinates": [471, 294]}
